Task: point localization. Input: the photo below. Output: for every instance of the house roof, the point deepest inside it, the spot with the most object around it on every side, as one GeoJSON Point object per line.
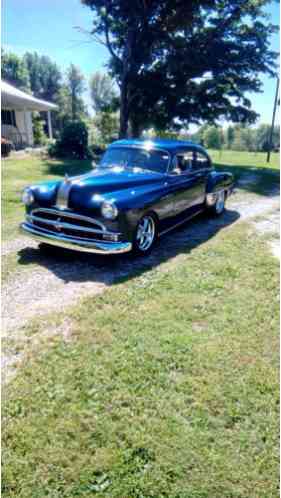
{"type": "Point", "coordinates": [13, 98]}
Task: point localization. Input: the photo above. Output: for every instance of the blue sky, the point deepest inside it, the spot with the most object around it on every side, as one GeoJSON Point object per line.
{"type": "Point", "coordinates": [48, 27]}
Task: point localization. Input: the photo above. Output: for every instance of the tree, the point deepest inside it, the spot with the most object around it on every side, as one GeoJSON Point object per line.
{"type": "Point", "coordinates": [44, 74]}
{"type": "Point", "coordinates": [38, 130]}
{"type": "Point", "coordinates": [184, 62]}
{"type": "Point", "coordinates": [14, 71]}
{"type": "Point", "coordinates": [230, 132]}
{"type": "Point", "coordinates": [64, 112]}
{"type": "Point", "coordinates": [75, 82]}
{"type": "Point", "coordinates": [102, 92]}
{"type": "Point", "coordinates": [107, 126]}
{"type": "Point", "coordinates": [132, 32]}
{"type": "Point", "coordinates": [212, 137]}
{"type": "Point", "coordinates": [262, 137]}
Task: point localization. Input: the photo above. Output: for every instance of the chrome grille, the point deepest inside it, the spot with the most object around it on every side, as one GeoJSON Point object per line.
{"type": "Point", "coordinates": [68, 223]}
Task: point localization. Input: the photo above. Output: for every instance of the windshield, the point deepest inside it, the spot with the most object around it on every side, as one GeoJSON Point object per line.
{"type": "Point", "coordinates": [134, 157]}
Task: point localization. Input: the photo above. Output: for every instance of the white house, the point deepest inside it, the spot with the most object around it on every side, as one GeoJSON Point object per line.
{"type": "Point", "coordinates": [16, 120]}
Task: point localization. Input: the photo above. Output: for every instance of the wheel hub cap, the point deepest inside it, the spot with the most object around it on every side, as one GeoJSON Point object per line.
{"type": "Point", "coordinates": [145, 233]}
{"type": "Point", "coordinates": [220, 202]}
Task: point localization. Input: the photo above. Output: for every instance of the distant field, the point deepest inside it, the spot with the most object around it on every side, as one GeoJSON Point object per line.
{"type": "Point", "coordinates": [245, 159]}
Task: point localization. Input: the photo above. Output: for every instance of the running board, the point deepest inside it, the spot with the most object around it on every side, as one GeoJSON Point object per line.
{"type": "Point", "coordinates": [180, 222]}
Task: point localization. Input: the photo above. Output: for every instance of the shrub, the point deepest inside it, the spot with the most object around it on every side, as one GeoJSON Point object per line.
{"type": "Point", "coordinates": [6, 147]}
{"type": "Point", "coordinates": [38, 131]}
{"type": "Point", "coordinates": [72, 143]}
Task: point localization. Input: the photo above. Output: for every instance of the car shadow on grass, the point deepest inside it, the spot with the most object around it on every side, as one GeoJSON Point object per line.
{"type": "Point", "coordinates": [72, 266]}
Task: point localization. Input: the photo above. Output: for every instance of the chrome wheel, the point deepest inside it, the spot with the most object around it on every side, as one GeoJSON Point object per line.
{"type": "Point", "coordinates": [145, 233]}
{"type": "Point", "coordinates": [219, 206]}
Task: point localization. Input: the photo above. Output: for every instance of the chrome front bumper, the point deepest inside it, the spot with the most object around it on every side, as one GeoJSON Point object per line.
{"type": "Point", "coordinates": [97, 247]}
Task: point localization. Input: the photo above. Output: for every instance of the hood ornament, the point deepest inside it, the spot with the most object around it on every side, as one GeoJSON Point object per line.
{"type": "Point", "coordinates": [66, 178]}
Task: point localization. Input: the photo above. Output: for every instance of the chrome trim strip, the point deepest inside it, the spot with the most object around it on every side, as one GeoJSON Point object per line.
{"type": "Point", "coordinates": [69, 226]}
{"type": "Point", "coordinates": [78, 245]}
{"type": "Point", "coordinates": [180, 223]}
{"type": "Point", "coordinates": [63, 193]}
{"type": "Point", "coordinates": [69, 214]}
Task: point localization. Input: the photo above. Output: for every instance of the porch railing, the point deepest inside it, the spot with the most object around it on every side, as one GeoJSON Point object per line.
{"type": "Point", "coordinates": [10, 132]}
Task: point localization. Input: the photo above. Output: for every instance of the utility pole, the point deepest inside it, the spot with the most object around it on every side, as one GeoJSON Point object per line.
{"type": "Point", "coordinates": [273, 120]}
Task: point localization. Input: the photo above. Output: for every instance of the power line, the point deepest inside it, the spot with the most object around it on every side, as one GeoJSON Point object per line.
{"type": "Point", "coordinates": [276, 102]}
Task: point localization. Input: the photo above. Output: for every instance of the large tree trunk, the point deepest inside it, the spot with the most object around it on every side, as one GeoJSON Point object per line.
{"type": "Point", "coordinates": [135, 128]}
{"type": "Point", "coordinates": [128, 64]}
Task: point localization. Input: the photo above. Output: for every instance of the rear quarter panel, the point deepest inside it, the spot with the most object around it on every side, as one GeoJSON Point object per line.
{"type": "Point", "coordinates": [219, 180]}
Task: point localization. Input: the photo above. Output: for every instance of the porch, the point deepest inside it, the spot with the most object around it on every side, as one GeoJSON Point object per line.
{"type": "Point", "coordinates": [16, 115]}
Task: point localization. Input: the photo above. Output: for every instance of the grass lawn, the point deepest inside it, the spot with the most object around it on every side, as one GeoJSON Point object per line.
{"type": "Point", "coordinates": [164, 386]}
{"type": "Point", "coordinates": [18, 173]}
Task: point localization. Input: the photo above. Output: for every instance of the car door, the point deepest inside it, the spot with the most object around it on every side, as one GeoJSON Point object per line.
{"type": "Point", "coordinates": [185, 182]}
{"type": "Point", "coordinates": [200, 170]}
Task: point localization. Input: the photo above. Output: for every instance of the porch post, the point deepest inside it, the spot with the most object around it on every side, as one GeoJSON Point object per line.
{"type": "Point", "coordinates": [26, 126]}
{"type": "Point", "coordinates": [50, 131]}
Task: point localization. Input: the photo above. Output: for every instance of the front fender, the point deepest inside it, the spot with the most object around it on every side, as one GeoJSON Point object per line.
{"type": "Point", "coordinates": [134, 204]}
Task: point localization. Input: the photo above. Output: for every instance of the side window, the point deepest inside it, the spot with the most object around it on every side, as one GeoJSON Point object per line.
{"type": "Point", "coordinates": [202, 161]}
{"type": "Point", "coordinates": [184, 162]}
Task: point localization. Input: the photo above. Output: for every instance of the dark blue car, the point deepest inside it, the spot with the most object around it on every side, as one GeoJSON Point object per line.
{"type": "Point", "coordinates": [140, 190]}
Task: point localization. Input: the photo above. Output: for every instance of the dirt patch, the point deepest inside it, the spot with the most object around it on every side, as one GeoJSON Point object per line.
{"type": "Point", "coordinates": [15, 245]}
{"type": "Point", "coordinates": [270, 226]}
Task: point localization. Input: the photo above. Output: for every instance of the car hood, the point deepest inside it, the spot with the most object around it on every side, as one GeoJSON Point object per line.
{"type": "Point", "coordinates": [89, 190]}
{"type": "Point", "coordinates": [107, 180]}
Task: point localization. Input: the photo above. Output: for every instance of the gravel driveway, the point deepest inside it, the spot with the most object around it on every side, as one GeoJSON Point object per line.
{"type": "Point", "coordinates": [61, 277]}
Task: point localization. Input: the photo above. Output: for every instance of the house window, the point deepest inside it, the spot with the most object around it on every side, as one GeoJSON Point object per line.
{"type": "Point", "coordinates": [8, 118]}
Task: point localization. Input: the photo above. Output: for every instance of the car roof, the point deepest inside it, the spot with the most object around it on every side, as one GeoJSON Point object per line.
{"type": "Point", "coordinates": [159, 143]}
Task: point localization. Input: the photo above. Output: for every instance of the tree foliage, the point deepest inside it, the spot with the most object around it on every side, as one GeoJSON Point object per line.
{"type": "Point", "coordinates": [238, 137]}
{"type": "Point", "coordinates": [73, 141]}
{"type": "Point", "coordinates": [76, 85]}
{"type": "Point", "coordinates": [107, 126]}
{"type": "Point", "coordinates": [180, 62]}
{"type": "Point", "coordinates": [212, 137]}
{"type": "Point", "coordinates": [103, 93]}
{"type": "Point", "coordinates": [15, 71]}
{"type": "Point", "coordinates": [38, 130]}
{"type": "Point", "coordinates": [44, 75]}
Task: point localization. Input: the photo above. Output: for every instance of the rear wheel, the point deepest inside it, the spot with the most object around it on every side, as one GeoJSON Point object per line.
{"type": "Point", "coordinates": [218, 208]}
{"type": "Point", "coordinates": [145, 235]}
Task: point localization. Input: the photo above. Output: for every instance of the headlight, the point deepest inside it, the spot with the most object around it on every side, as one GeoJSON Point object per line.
{"type": "Point", "coordinates": [109, 210]}
{"type": "Point", "coordinates": [27, 197]}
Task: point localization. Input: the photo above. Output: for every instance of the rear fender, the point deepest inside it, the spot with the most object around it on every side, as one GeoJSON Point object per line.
{"type": "Point", "coordinates": [219, 181]}
{"type": "Point", "coordinates": [216, 182]}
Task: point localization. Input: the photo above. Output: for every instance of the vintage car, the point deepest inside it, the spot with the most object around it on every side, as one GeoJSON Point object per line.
{"type": "Point", "coordinates": [139, 191]}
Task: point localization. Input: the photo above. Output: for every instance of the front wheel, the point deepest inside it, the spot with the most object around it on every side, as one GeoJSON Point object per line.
{"type": "Point", "coordinates": [145, 235]}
